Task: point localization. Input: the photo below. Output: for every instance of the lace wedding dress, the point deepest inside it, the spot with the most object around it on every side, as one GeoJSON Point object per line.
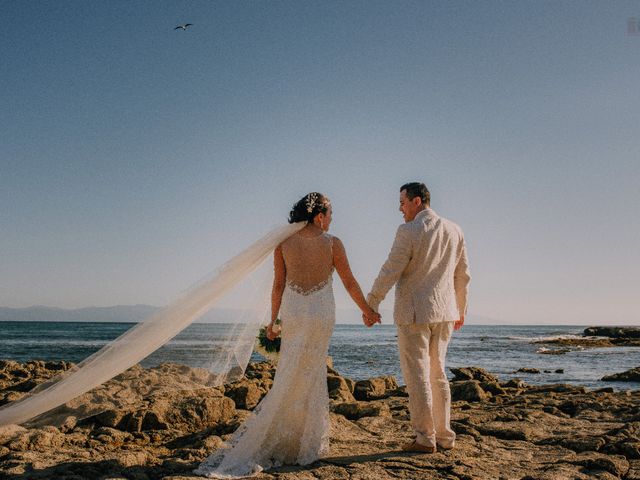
{"type": "Point", "coordinates": [291, 423]}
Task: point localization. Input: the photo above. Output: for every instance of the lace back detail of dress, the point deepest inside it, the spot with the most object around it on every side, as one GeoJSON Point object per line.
{"type": "Point", "coordinates": [309, 262]}
{"type": "Point", "coordinates": [291, 423]}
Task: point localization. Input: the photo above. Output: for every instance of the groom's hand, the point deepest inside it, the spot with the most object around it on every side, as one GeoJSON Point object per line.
{"type": "Point", "coordinates": [458, 324]}
{"type": "Point", "coordinates": [370, 321]}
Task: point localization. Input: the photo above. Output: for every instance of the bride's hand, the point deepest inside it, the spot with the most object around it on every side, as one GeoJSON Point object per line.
{"type": "Point", "coordinates": [271, 335]}
{"type": "Point", "coordinates": [370, 317]}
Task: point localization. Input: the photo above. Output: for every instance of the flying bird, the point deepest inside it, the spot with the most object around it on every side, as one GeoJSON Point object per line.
{"type": "Point", "coordinates": [183, 27]}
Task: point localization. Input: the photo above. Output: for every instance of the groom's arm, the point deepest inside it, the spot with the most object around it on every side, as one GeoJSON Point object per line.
{"type": "Point", "coordinates": [390, 272]}
{"type": "Point", "coordinates": [461, 279]}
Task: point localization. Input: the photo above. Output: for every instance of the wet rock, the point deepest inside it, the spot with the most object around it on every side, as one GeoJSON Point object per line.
{"type": "Point", "coordinates": [528, 370]}
{"type": "Point", "coordinates": [632, 375]}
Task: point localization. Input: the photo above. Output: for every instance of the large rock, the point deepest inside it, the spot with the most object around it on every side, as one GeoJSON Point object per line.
{"type": "Point", "coordinates": [488, 382]}
{"type": "Point", "coordinates": [612, 332]}
{"type": "Point", "coordinates": [178, 411]}
{"type": "Point", "coordinates": [515, 383]}
{"type": "Point", "coordinates": [507, 430]}
{"type": "Point", "coordinates": [111, 436]}
{"type": "Point", "coordinates": [40, 439]}
{"type": "Point", "coordinates": [472, 373]}
{"type": "Point", "coordinates": [614, 464]}
{"type": "Point", "coordinates": [356, 410]}
{"type": "Point", "coordinates": [528, 370]}
{"type": "Point", "coordinates": [339, 389]}
{"type": "Point", "coordinates": [468, 390]}
{"type": "Point", "coordinates": [374, 388]}
{"type": "Point", "coordinates": [579, 444]}
{"type": "Point", "coordinates": [245, 394]}
{"type": "Point", "coordinates": [632, 375]}
{"type": "Point", "coordinates": [260, 370]}
{"type": "Point", "coordinates": [9, 432]}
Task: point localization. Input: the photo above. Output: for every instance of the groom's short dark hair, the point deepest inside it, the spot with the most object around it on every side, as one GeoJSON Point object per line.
{"type": "Point", "coordinates": [417, 189]}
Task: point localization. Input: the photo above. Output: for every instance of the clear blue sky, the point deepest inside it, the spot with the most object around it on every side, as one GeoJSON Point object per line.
{"type": "Point", "coordinates": [134, 159]}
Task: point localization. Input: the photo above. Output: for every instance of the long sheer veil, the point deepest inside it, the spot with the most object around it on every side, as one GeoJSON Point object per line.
{"type": "Point", "coordinates": [69, 389]}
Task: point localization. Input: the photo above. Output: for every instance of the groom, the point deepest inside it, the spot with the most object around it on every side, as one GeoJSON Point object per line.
{"type": "Point", "coordinates": [428, 265]}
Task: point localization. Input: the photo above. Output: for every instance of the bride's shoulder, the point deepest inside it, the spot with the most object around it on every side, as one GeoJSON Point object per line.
{"type": "Point", "coordinates": [336, 243]}
{"type": "Point", "coordinates": [330, 237]}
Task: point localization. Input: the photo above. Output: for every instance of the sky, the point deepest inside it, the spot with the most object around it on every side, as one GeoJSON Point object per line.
{"type": "Point", "coordinates": [135, 159]}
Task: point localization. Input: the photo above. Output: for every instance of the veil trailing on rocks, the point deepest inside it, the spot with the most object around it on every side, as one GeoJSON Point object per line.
{"type": "Point", "coordinates": [80, 390]}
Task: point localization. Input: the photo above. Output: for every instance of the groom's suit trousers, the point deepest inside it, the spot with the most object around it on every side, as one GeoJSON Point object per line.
{"type": "Point", "coordinates": [423, 348]}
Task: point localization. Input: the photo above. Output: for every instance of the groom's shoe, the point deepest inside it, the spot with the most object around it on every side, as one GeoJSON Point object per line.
{"type": "Point", "coordinates": [417, 447]}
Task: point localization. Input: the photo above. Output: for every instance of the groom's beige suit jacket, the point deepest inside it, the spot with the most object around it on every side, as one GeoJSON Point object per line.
{"type": "Point", "coordinates": [428, 264]}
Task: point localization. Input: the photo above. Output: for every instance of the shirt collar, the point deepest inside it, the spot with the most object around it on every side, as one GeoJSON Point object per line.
{"type": "Point", "coordinates": [426, 213]}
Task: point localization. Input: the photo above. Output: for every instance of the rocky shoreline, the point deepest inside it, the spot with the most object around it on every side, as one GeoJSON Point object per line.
{"type": "Point", "coordinates": [593, 337]}
{"type": "Point", "coordinates": [506, 430]}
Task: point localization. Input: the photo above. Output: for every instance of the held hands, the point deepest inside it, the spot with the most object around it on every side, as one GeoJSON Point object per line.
{"type": "Point", "coordinates": [458, 323]}
{"type": "Point", "coordinates": [370, 317]}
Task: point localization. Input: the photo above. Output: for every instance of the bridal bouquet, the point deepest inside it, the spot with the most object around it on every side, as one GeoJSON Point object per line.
{"type": "Point", "coordinates": [269, 349]}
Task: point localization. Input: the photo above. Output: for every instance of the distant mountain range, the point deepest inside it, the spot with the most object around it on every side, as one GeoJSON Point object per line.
{"type": "Point", "coordinates": [118, 313]}
{"type": "Point", "coordinates": [137, 313]}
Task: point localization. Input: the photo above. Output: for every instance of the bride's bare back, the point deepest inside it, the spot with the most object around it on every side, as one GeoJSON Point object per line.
{"type": "Point", "coordinates": [308, 261]}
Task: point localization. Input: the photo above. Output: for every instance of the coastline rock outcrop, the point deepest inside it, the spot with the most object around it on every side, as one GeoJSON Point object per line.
{"type": "Point", "coordinates": [612, 332]}
{"type": "Point", "coordinates": [505, 430]}
{"type": "Point", "coordinates": [593, 337]}
{"type": "Point", "coordinates": [632, 375]}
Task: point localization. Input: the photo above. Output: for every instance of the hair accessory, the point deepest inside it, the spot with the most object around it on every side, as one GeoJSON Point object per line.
{"type": "Point", "coordinates": [311, 201]}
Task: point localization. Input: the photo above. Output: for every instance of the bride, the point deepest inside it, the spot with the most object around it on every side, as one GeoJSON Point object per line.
{"type": "Point", "coordinates": [291, 423]}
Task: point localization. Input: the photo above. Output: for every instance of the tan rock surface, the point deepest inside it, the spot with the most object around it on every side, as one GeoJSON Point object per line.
{"type": "Point", "coordinates": [508, 432]}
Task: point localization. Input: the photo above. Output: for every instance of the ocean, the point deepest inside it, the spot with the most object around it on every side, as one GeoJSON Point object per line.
{"type": "Point", "coordinates": [357, 352]}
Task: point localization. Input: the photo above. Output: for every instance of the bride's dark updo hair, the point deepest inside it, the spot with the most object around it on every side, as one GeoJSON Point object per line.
{"type": "Point", "coordinates": [308, 207]}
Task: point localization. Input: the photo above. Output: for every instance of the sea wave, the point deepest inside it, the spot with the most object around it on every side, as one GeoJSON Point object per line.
{"type": "Point", "coordinates": [547, 338]}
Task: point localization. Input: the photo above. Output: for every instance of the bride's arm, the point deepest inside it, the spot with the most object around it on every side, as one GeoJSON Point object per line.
{"type": "Point", "coordinates": [341, 263]}
{"type": "Point", "coordinates": [279, 277]}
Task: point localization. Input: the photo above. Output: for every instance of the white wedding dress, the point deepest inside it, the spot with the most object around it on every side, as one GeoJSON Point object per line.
{"type": "Point", "coordinates": [291, 423]}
